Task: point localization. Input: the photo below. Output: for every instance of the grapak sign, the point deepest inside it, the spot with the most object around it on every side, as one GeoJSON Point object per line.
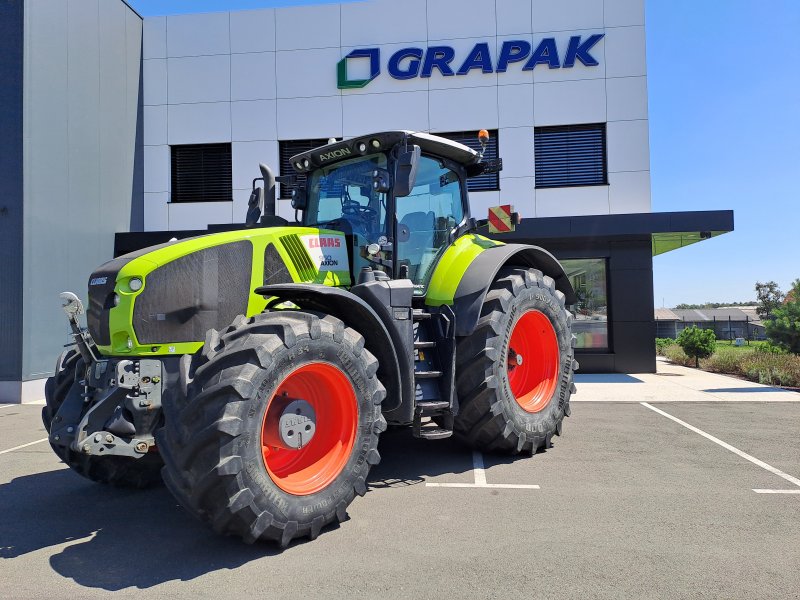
{"type": "Point", "coordinates": [412, 62]}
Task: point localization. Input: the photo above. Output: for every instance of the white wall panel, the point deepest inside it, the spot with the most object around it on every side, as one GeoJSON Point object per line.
{"type": "Point", "coordinates": [479, 203]}
{"type": "Point", "coordinates": [629, 192]}
{"type": "Point", "coordinates": [628, 146]}
{"type": "Point", "coordinates": [515, 105]}
{"type": "Point", "coordinates": [198, 34]}
{"type": "Point", "coordinates": [302, 118]}
{"type": "Point", "coordinates": [306, 73]}
{"type": "Point", "coordinates": [253, 76]}
{"type": "Point", "coordinates": [453, 19]}
{"type": "Point", "coordinates": [513, 16]}
{"type": "Point", "coordinates": [246, 158]}
{"type": "Point", "coordinates": [567, 15]}
{"type": "Point", "coordinates": [156, 212]}
{"type": "Point", "coordinates": [199, 215]}
{"type": "Point", "coordinates": [563, 202]}
{"type": "Point", "coordinates": [199, 79]}
{"type": "Point", "coordinates": [154, 81]}
{"type": "Point", "coordinates": [383, 22]}
{"type": "Point", "coordinates": [516, 150]}
{"type": "Point", "coordinates": [155, 125]}
{"type": "Point", "coordinates": [376, 112]}
{"type": "Point", "coordinates": [518, 191]}
{"type": "Point", "coordinates": [569, 102]}
{"type": "Point", "coordinates": [454, 110]}
{"type": "Point", "coordinates": [253, 30]}
{"type": "Point", "coordinates": [625, 52]}
{"type": "Point", "coordinates": [475, 77]}
{"type": "Point", "coordinates": [154, 37]}
{"type": "Point", "coordinates": [202, 123]}
{"type": "Point", "coordinates": [627, 98]}
{"type": "Point", "coordinates": [301, 27]}
{"type": "Point", "coordinates": [156, 168]}
{"type": "Point", "coordinates": [254, 120]}
{"type": "Point", "coordinates": [619, 13]}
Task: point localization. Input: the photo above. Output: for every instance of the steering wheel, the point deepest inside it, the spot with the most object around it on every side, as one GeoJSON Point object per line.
{"type": "Point", "coordinates": [351, 208]}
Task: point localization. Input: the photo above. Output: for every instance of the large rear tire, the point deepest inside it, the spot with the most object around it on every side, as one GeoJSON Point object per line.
{"type": "Point", "coordinates": [218, 443]}
{"type": "Point", "coordinates": [119, 471]}
{"type": "Point", "coordinates": [514, 373]}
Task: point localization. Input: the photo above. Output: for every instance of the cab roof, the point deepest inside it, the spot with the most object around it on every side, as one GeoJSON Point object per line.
{"type": "Point", "coordinates": [368, 144]}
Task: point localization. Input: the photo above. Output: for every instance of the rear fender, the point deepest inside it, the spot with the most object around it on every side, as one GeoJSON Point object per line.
{"type": "Point", "coordinates": [483, 270]}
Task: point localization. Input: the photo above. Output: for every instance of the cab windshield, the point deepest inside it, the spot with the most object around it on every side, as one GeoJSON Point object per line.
{"type": "Point", "coordinates": [342, 197]}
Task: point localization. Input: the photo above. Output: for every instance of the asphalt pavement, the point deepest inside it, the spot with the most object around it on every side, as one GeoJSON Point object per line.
{"type": "Point", "coordinates": [652, 500]}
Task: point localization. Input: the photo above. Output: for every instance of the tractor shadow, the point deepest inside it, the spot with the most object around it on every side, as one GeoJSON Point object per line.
{"type": "Point", "coordinates": [112, 539]}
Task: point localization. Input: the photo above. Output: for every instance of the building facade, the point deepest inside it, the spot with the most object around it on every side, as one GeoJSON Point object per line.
{"type": "Point", "coordinates": [153, 128]}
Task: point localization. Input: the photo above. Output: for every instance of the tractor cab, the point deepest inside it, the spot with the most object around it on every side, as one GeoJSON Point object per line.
{"type": "Point", "coordinates": [401, 198]}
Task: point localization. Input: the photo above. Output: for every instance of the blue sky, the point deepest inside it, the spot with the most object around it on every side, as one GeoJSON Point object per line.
{"type": "Point", "coordinates": [724, 134]}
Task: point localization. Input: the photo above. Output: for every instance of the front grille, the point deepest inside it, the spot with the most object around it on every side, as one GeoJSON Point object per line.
{"type": "Point", "coordinates": [185, 298]}
{"type": "Point", "coordinates": [275, 270]}
{"type": "Point", "coordinates": [101, 301]}
{"type": "Point", "coordinates": [299, 257]}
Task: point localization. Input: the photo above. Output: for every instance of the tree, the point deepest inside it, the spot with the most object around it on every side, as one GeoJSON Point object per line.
{"type": "Point", "coordinates": [697, 343]}
{"type": "Point", "coordinates": [769, 297]}
{"type": "Point", "coordinates": [784, 328]}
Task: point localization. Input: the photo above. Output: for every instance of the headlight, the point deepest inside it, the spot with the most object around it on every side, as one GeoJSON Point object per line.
{"type": "Point", "coordinates": [115, 300]}
{"type": "Point", "coordinates": [135, 284]}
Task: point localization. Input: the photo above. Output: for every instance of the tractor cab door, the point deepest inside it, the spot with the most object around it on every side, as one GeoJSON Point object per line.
{"type": "Point", "coordinates": [426, 218]}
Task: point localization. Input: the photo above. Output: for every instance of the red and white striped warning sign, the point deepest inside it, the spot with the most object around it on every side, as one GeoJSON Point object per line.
{"type": "Point", "coordinates": [500, 220]}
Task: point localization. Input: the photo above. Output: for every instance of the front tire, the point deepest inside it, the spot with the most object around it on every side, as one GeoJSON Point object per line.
{"type": "Point", "coordinates": [514, 373]}
{"type": "Point", "coordinates": [119, 471]}
{"type": "Point", "coordinates": [221, 459]}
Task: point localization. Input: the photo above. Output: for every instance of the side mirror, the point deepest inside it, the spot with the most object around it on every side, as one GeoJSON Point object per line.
{"type": "Point", "coordinates": [254, 206]}
{"type": "Point", "coordinates": [405, 173]}
{"type": "Point", "coordinates": [299, 197]}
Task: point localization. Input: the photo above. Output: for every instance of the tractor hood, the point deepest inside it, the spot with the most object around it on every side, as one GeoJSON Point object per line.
{"type": "Point", "coordinates": [163, 299]}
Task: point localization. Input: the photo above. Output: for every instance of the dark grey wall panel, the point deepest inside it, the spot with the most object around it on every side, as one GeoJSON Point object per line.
{"type": "Point", "coordinates": [81, 118]}
{"type": "Point", "coordinates": [11, 188]}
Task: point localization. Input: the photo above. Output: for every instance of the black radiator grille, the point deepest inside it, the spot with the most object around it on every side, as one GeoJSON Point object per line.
{"type": "Point", "coordinates": [185, 298]}
{"type": "Point", "coordinates": [275, 270]}
{"type": "Point", "coordinates": [101, 301]}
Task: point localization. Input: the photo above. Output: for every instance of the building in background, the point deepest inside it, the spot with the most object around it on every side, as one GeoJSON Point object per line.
{"type": "Point", "coordinates": [563, 92]}
{"type": "Point", "coordinates": [728, 323]}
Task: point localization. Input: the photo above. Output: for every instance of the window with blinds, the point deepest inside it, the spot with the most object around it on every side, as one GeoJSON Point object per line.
{"type": "Point", "coordinates": [570, 155]}
{"type": "Point", "coordinates": [202, 173]}
{"type": "Point", "coordinates": [286, 150]}
{"type": "Point", "coordinates": [482, 183]}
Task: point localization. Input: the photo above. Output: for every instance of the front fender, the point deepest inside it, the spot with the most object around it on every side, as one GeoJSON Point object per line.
{"type": "Point", "coordinates": [356, 314]}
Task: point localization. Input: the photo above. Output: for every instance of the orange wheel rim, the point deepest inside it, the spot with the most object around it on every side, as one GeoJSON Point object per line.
{"type": "Point", "coordinates": [532, 361]}
{"type": "Point", "coordinates": [313, 467]}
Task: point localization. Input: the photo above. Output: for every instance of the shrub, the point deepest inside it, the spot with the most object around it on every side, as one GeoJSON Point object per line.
{"type": "Point", "coordinates": [662, 344]}
{"type": "Point", "coordinates": [771, 369]}
{"type": "Point", "coordinates": [697, 343]}
{"type": "Point", "coordinates": [724, 360]}
{"type": "Point", "coordinates": [675, 354]}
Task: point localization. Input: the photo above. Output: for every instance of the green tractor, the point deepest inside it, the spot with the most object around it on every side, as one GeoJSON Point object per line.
{"type": "Point", "coordinates": [254, 370]}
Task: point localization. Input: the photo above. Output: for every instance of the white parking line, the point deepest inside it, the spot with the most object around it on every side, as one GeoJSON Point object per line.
{"type": "Point", "coordinates": [479, 472]}
{"type": "Point", "coordinates": [2, 406]}
{"type": "Point", "coordinates": [727, 446]}
{"type": "Point", "coordinates": [777, 491]}
{"type": "Point", "coordinates": [23, 446]}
